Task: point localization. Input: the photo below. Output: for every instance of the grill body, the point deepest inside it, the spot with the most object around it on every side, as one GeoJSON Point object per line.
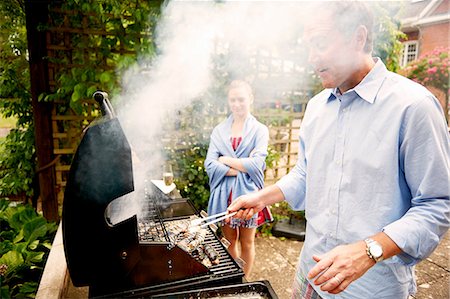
{"type": "Point", "coordinates": [113, 259]}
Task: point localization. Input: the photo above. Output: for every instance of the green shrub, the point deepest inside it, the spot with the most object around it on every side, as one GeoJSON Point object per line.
{"type": "Point", "coordinates": [25, 241]}
{"type": "Point", "coordinates": [17, 162]}
{"type": "Point", "coordinates": [190, 175]}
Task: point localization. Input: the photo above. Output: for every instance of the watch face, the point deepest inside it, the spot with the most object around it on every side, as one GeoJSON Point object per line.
{"type": "Point", "coordinates": [376, 251]}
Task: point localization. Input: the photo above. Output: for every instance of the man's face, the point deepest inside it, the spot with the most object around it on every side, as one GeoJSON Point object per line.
{"type": "Point", "coordinates": [332, 55]}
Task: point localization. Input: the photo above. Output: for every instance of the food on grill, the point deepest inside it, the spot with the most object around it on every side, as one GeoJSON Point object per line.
{"type": "Point", "coordinates": [180, 233]}
{"type": "Point", "coordinates": [203, 257]}
{"type": "Point", "coordinates": [211, 253]}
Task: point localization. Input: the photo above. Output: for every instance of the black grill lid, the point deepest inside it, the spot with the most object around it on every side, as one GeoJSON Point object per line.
{"type": "Point", "coordinates": [101, 171]}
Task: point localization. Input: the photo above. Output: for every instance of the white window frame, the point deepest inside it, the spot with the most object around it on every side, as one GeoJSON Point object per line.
{"type": "Point", "coordinates": [406, 45]}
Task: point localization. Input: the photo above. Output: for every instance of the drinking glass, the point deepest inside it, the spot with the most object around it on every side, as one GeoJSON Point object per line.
{"type": "Point", "coordinates": [167, 174]}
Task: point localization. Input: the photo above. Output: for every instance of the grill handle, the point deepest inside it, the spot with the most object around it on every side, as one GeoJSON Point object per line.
{"type": "Point", "coordinates": [101, 98]}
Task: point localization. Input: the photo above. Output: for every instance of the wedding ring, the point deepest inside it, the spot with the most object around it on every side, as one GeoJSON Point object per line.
{"type": "Point", "coordinates": [338, 280]}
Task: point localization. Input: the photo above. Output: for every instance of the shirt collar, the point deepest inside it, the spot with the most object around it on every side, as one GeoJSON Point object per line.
{"type": "Point", "coordinates": [368, 88]}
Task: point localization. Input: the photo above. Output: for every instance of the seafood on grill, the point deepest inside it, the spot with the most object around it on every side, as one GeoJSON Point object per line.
{"type": "Point", "coordinates": [192, 241]}
{"type": "Point", "coordinates": [211, 253]}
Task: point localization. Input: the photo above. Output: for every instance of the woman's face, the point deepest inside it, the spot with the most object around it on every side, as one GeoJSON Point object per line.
{"type": "Point", "coordinates": [240, 100]}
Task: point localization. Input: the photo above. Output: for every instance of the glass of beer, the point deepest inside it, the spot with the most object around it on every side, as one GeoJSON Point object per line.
{"type": "Point", "coordinates": [167, 174]}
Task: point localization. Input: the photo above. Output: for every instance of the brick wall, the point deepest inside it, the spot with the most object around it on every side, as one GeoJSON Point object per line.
{"type": "Point", "coordinates": [434, 36]}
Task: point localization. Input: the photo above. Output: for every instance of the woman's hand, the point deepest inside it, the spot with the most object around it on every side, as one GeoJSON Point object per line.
{"type": "Point", "coordinates": [232, 172]}
{"type": "Point", "coordinates": [232, 162]}
{"type": "Point", "coordinates": [222, 159]}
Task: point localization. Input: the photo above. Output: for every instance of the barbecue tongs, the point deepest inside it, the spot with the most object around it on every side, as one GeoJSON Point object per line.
{"type": "Point", "coordinates": [198, 222]}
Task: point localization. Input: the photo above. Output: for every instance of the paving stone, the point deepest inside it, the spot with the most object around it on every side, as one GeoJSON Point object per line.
{"type": "Point", "coordinates": [437, 289]}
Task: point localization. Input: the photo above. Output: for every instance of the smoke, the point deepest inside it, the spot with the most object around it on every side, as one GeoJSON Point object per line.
{"type": "Point", "coordinates": [190, 35]}
{"type": "Point", "coordinates": [260, 40]}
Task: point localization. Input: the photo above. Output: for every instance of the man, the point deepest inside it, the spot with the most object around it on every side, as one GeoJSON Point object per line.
{"type": "Point", "coordinates": [373, 169]}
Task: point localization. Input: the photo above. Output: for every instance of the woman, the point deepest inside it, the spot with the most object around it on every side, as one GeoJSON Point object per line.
{"type": "Point", "coordinates": [235, 165]}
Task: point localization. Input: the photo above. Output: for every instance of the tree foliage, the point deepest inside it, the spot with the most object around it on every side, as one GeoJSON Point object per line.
{"type": "Point", "coordinates": [111, 36]}
{"type": "Point", "coordinates": [387, 42]}
{"type": "Point", "coordinates": [17, 159]}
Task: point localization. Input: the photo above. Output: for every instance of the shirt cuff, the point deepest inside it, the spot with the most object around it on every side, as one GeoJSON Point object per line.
{"type": "Point", "coordinates": [394, 232]}
{"type": "Point", "coordinates": [291, 191]}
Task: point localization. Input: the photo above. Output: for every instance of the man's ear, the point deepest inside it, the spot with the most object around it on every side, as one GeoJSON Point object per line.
{"type": "Point", "coordinates": [360, 37]}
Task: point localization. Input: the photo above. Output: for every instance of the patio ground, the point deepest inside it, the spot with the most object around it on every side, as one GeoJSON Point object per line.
{"type": "Point", "coordinates": [276, 260]}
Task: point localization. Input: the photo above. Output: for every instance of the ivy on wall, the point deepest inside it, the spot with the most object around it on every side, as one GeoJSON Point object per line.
{"type": "Point", "coordinates": [98, 41]}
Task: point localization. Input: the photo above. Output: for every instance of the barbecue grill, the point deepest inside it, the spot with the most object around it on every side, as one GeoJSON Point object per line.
{"type": "Point", "coordinates": [135, 255]}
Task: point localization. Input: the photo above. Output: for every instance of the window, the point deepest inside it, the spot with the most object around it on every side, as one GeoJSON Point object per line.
{"type": "Point", "coordinates": [410, 51]}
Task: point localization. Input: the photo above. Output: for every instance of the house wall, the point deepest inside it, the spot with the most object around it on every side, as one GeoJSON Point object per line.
{"type": "Point", "coordinates": [433, 36]}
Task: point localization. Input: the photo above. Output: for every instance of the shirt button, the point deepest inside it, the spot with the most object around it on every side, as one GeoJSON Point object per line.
{"type": "Point", "coordinates": [338, 162]}
{"type": "Point", "coordinates": [343, 110]}
{"type": "Point", "coordinates": [333, 212]}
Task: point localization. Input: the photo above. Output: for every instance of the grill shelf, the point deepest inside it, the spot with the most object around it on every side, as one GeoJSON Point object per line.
{"type": "Point", "coordinates": [252, 290]}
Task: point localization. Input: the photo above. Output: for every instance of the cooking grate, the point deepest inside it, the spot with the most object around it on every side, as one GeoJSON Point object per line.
{"type": "Point", "coordinates": [150, 226]}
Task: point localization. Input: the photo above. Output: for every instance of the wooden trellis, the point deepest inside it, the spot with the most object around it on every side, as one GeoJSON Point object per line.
{"type": "Point", "coordinates": [65, 28]}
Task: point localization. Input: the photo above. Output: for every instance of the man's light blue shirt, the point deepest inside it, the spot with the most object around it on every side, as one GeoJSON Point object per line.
{"type": "Point", "coordinates": [376, 158]}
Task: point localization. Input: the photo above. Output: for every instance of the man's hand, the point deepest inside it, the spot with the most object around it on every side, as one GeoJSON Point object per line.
{"type": "Point", "coordinates": [246, 205]}
{"type": "Point", "coordinates": [336, 269]}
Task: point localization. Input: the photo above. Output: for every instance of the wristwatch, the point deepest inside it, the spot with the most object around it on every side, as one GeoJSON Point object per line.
{"type": "Point", "coordinates": [374, 250]}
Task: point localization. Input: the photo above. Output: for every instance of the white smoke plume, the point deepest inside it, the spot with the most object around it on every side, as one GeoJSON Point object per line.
{"type": "Point", "coordinates": [189, 35]}
{"type": "Point", "coordinates": [187, 38]}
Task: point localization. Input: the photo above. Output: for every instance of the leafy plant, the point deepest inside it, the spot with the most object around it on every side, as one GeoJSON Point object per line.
{"type": "Point", "coordinates": [272, 158]}
{"type": "Point", "coordinates": [274, 117]}
{"type": "Point", "coordinates": [25, 243]}
{"type": "Point", "coordinates": [190, 175]}
{"type": "Point", "coordinates": [17, 164]}
{"type": "Point", "coordinates": [387, 36]}
{"type": "Point", "coordinates": [17, 160]}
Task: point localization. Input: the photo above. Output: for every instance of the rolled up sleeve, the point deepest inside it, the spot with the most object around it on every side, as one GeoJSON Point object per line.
{"type": "Point", "coordinates": [293, 185]}
{"type": "Point", "coordinates": [425, 162]}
